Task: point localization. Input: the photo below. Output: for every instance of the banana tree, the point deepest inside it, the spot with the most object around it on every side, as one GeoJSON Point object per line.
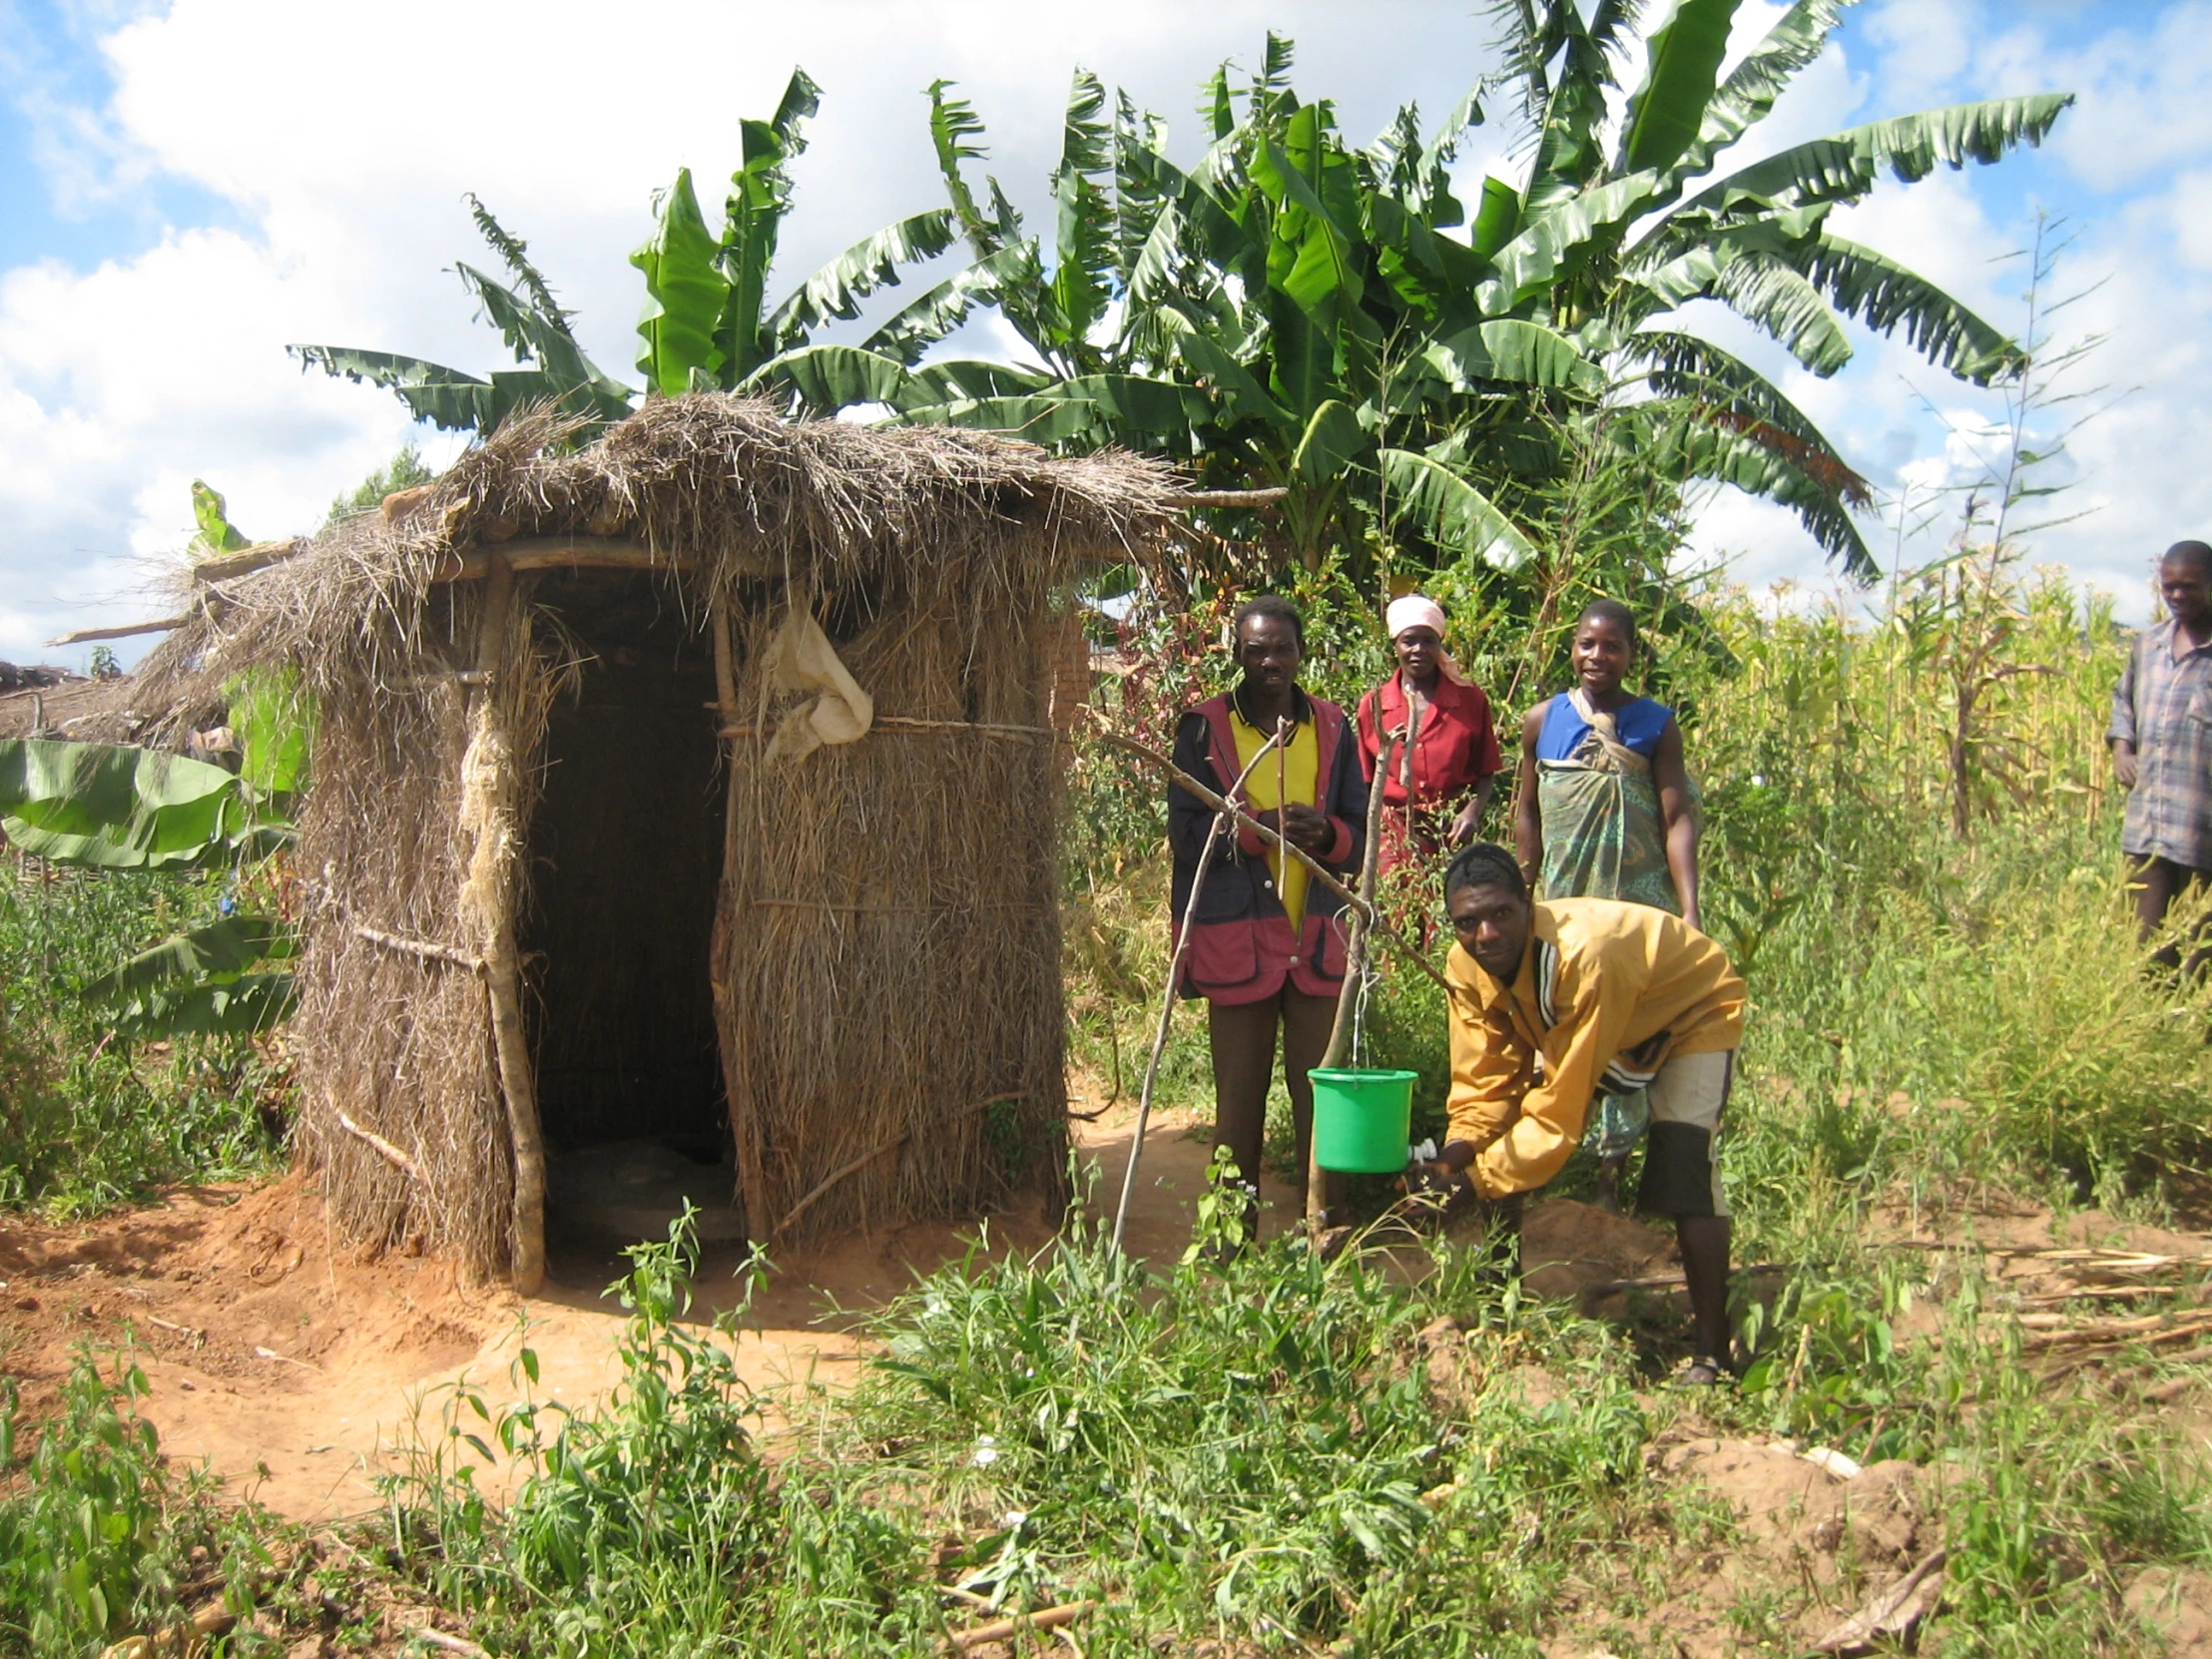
{"type": "Point", "coordinates": [705, 321]}
{"type": "Point", "coordinates": [1293, 312]}
{"type": "Point", "coordinates": [123, 810]}
{"type": "Point", "coordinates": [552, 367]}
{"type": "Point", "coordinates": [118, 808]}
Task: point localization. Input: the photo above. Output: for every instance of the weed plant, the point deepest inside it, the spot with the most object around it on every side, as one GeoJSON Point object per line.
{"type": "Point", "coordinates": [99, 1537]}
{"type": "Point", "coordinates": [88, 1120]}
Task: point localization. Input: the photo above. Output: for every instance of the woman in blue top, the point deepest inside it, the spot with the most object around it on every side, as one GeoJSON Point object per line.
{"type": "Point", "coordinates": [1605, 809]}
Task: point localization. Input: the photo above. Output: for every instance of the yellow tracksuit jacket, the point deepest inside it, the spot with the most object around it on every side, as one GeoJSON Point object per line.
{"type": "Point", "coordinates": [1607, 992]}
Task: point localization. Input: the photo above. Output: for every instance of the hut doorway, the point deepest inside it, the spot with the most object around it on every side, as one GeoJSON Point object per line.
{"type": "Point", "coordinates": [624, 864]}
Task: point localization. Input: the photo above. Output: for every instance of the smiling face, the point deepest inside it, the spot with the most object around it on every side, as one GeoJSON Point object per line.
{"type": "Point", "coordinates": [1269, 653]}
{"type": "Point", "coordinates": [1492, 923]}
{"type": "Point", "coordinates": [1601, 654]}
{"type": "Point", "coordinates": [1420, 653]}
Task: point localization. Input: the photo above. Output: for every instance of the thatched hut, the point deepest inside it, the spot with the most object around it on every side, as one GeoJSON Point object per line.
{"type": "Point", "coordinates": [698, 785]}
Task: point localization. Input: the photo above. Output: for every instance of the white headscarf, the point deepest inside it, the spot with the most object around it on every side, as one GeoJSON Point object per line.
{"type": "Point", "coordinates": [1416, 610]}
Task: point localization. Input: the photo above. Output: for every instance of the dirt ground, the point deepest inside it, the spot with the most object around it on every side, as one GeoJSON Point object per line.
{"type": "Point", "coordinates": [298, 1368]}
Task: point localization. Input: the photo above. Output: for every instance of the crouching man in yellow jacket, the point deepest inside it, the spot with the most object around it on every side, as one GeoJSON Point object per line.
{"type": "Point", "coordinates": [1556, 1002]}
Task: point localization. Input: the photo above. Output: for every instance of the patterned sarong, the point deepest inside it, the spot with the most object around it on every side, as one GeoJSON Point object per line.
{"type": "Point", "coordinates": [1606, 838]}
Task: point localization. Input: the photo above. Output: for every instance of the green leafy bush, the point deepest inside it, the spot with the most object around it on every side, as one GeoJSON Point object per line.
{"type": "Point", "coordinates": [98, 1535]}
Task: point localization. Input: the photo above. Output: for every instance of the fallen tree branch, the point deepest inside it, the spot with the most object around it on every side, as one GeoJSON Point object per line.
{"type": "Point", "coordinates": [451, 1644]}
{"type": "Point", "coordinates": [2115, 1331]}
{"type": "Point", "coordinates": [1893, 1614]}
{"type": "Point", "coordinates": [1047, 1619]}
{"type": "Point", "coordinates": [223, 566]}
{"type": "Point", "coordinates": [384, 1149]}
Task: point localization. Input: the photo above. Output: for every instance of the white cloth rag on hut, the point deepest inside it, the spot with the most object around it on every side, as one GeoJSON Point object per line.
{"type": "Point", "coordinates": [802, 660]}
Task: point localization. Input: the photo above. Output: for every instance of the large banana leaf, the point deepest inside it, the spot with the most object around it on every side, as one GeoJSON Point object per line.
{"type": "Point", "coordinates": [1573, 110]}
{"type": "Point", "coordinates": [1667, 112]}
{"type": "Point", "coordinates": [1084, 219]}
{"type": "Point", "coordinates": [1843, 168]}
{"type": "Point", "coordinates": [1313, 259]}
{"type": "Point", "coordinates": [948, 380]}
{"type": "Point", "coordinates": [1217, 370]}
{"type": "Point", "coordinates": [953, 127]}
{"type": "Point", "coordinates": [1708, 446]}
{"type": "Point", "coordinates": [1772, 294]}
{"type": "Point", "coordinates": [919, 325]}
{"type": "Point", "coordinates": [1449, 511]}
{"type": "Point", "coordinates": [1333, 441]}
{"type": "Point", "coordinates": [235, 1007]}
{"type": "Point", "coordinates": [836, 289]}
{"type": "Point", "coordinates": [1701, 375]}
{"type": "Point", "coordinates": [452, 399]}
{"type": "Point", "coordinates": [215, 952]}
{"type": "Point", "coordinates": [1527, 263]}
{"type": "Point", "coordinates": [1087, 409]}
{"type": "Point", "coordinates": [447, 398]}
{"type": "Point", "coordinates": [753, 221]}
{"type": "Point", "coordinates": [685, 291]}
{"type": "Point", "coordinates": [832, 377]}
{"type": "Point", "coordinates": [116, 807]}
{"type": "Point", "coordinates": [1506, 349]}
{"type": "Point", "coordinates": [1798, 37]}
{"type": "Point", "coordinates": [274, 718]}
{"type": "Point", "coordinates": [1885, 296]}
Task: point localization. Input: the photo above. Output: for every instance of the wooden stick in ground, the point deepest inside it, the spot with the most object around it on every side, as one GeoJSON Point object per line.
{"type": "Point", "coordinates": [1220, 831]}
{"type": "Point", "coordinates": [1246, 820]}
{"type": "Point", "coordinates": [1355, 968]}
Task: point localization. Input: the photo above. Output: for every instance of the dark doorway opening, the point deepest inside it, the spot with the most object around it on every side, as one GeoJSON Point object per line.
{"type": "Point", "coordinates": [626, 852]}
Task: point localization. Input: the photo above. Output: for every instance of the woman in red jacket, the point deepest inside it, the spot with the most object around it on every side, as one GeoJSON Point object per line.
{"type": "Point", "coordinates": [1439, 786]}
{"type": "Point", "coordinates": [1267, 945]}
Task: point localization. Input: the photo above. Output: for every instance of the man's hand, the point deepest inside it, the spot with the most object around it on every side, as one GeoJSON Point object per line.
{"type": "Point", "coordinates": [1462, 827]}
{"type": "Point", "coordinates": [1308, 831]}
{"type": "Point", "coordinates": [2123, 763]}
{"type": "Point", "coordinates": [1430, 1176]}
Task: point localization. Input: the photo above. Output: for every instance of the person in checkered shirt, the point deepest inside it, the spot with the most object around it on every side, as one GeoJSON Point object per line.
{"type": "Point", "coordinates": [2161, 737]}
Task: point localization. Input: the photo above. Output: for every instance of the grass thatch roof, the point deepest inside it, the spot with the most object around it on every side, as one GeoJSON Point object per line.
{"type": "Point", "coordinates": [722, 489]}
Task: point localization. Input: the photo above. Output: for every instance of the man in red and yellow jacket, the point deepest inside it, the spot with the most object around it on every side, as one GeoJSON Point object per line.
{"type": "Point", "coordinates": [1555, 1002]}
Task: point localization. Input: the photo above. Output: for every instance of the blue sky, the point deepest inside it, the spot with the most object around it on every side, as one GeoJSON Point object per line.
{"type": "Point", "coordinates": [185, 187]}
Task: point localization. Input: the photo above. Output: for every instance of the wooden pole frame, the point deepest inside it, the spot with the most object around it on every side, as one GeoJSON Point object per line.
{"type": "Point", "coordinates": [751, 1180]}
{"type": "Point", "coordinates": [502, 970]}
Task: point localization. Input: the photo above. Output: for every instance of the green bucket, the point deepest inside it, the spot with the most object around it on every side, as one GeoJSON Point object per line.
{"type": "Point", "coordinates": [1363, 1120]}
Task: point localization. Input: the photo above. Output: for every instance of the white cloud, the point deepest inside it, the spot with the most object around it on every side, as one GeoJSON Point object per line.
{"type": "Point", "coordinates": [342, 140]}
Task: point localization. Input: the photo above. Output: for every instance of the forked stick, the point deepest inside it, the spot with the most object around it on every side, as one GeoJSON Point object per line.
{"type": "Point", "coordinates": [1246, 820]}
{"type": "Point", "coordinates": [1355, 970]}
{"type": "Point", "coordinates": [1214, 839]}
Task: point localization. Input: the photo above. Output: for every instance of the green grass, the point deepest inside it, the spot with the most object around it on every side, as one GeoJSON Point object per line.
{"type": "Point", "coordinates": [1258, 1451]}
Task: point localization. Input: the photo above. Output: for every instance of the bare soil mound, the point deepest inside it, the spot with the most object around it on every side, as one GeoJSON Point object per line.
{"type": "Point", "coordinates": [299, 1366]}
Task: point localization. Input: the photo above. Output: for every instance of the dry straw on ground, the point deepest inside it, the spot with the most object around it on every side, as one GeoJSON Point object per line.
{"type": "Point", "coordinates": [885, 959]}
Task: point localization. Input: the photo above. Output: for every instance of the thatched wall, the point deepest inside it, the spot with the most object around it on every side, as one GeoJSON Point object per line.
{"type": "Point", "coordinates": [886, 959]}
